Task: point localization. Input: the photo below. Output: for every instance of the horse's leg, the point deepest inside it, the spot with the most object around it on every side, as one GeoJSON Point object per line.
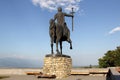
{"type": "Point", "coordinates": [70, 43]}
{"type": "Point", "coordinates": [57, 46]}
{"type": "Point", "coordinates": [69, 40]}
{"type": "Point", "coordinates": [61, 47]}
{"type": "Point", "coordinates": [52, 46]}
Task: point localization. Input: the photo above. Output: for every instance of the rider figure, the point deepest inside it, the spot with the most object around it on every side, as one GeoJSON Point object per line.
{"type": "Point", "coordinates": [60, 17]}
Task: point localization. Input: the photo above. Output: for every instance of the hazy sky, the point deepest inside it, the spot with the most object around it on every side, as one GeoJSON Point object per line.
{"type": "Point", "coordinates": [24, 28]}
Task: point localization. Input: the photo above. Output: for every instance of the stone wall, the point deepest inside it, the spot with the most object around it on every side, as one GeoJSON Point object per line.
{"type": "Point", "coordinates": [13, 71]}
{"type": "Point", "coordinates": [74, 71]}
{"type": "Point", "coordinates": [59, 66]}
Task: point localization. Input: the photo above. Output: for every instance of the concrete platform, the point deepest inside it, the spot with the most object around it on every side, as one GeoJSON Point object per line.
{"type": "Point", "coordinates": [79, 74]}
{"type": "Point", "coordinates": [26, 77]}
{"type": "Point", "coordinates": [74, 71]}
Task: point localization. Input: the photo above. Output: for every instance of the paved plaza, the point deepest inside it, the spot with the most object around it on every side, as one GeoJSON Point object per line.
{"type": "Point", "coordinates": [75, 77]}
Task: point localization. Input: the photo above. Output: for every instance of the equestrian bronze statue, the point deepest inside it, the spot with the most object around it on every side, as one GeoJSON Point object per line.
{"type": "Point", "coordinates": [59, 31]}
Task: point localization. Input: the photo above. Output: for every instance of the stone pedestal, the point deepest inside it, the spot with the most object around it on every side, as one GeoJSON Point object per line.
{"type": "Point", "coordinates": [57, 65]}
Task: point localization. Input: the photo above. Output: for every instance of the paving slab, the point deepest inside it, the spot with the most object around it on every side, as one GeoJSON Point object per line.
{"type": "Point", "coordinates": [72, 77]}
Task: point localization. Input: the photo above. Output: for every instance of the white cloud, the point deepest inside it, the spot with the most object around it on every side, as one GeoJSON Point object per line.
{"type": "Point", "coordinates": [53, 4]}
{"type": "Point", "coordinates": [114, 30]}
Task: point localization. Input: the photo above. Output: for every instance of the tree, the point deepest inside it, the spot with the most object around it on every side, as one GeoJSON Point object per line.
{"type": "Point", "coordinates": [117, 60]}
{"type": "Point", "coordinates": [110, 59]}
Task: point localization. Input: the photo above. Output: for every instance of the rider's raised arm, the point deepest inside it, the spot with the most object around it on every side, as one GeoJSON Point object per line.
{"type": "Point", "coordinates": [68, 15]}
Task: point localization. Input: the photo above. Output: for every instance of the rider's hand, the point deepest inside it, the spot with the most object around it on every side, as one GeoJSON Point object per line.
{"type": "Point", "coordinates": [72, 15]}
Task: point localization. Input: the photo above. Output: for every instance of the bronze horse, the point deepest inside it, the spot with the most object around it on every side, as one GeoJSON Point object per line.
{"type": "Point", "coordinates": [56, 36]}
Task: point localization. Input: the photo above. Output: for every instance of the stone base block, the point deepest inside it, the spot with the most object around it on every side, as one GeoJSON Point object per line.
{"type": "Point", "coordinates": [59, 66]}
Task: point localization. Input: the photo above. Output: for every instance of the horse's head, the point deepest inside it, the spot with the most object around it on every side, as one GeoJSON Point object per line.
{"type": "Point", "coordinates": [52, 23]}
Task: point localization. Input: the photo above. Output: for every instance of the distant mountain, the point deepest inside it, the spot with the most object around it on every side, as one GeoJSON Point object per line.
{"type": "Point", "coordinates": [19, 63]}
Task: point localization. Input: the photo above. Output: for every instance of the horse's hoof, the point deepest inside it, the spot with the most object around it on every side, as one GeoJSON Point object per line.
{"type": "Point", "coordinates": [52, 53]}
{"type": "Point", "coordinates": [70, 47]}
{"type": "Point", "coordinates": [58, 53]}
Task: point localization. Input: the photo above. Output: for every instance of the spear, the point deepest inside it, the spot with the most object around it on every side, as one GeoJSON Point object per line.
{"type": "Point", "coordinates": [72, 18]}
